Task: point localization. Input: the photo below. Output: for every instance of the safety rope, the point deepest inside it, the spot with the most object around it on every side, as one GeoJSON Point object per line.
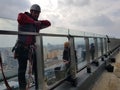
{"type": "Point", "coordinates": [4, 78]}
{"type": "Point", "coordinates": [30, 65]}
{"type": "Point", "coordinates": [30, 78]}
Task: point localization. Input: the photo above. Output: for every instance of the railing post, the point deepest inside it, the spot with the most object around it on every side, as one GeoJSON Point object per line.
{"type": "Point", "coordinates": [87, 54]}
{"type": "Point", "coordinates": [105, 41]}
{"type": "Point", "coordinates": [96, 52]}
{"type": "Point", "coordinates": [101, 44]}
{"type": "Point", "coordinates": [40, 63]}
{"type": "Point", "coordinates": [108, 43]}
{"type": "Point", "coordinates": [96, 48]}
{"type": "Point", "coordinates": [73, 61]}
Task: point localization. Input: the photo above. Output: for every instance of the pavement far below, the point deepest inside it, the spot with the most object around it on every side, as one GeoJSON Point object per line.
{"type": "Point", "coordinates": [109, 80]}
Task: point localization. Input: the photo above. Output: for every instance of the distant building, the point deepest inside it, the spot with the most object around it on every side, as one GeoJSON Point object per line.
{"type": "Point", "coordinates": [53, 54]}
{"type": "Point", "coordinates": [53, 51]}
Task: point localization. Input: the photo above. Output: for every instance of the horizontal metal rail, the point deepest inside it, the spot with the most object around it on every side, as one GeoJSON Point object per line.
{"type": "Point", "coordinates": [7, 32]}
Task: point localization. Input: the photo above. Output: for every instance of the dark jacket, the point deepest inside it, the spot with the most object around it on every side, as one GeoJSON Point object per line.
{"type": "Point", "coordinates": [66, 54]}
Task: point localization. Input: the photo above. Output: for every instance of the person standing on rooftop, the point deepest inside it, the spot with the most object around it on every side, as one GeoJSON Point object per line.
{"type": "Point", "coordinates": [28, 22]}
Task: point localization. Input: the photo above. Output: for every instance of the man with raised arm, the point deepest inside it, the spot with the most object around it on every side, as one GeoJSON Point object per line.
{"type": "Point", "coordinates": [28, 22]}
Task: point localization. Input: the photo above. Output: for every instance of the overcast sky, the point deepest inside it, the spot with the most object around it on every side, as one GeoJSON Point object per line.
{"type": "Point", "coordinates": [97, 16]}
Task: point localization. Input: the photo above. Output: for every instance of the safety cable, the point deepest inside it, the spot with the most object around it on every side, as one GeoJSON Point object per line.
{"type": "Point", "coordinates": [30, 67]}
{"type": "Point", "coordinates": [4, 78]}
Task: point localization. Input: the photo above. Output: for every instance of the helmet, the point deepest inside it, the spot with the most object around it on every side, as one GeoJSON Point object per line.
{"type": "Point", "coordinates": [66, 44]}
{"type": "Point", "coordinates": [35, 7]}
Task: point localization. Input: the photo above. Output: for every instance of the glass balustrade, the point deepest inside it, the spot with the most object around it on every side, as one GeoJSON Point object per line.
{"type": "Point", "coordinates": [53, 45]}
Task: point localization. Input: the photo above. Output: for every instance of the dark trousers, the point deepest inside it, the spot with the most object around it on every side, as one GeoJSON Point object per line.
{"type": "Point", "coordinates": [67, 69]}
{"type": "Point", "coordinates": [22, 62]}
{"type": "Point", "coordinates": [21, 72]}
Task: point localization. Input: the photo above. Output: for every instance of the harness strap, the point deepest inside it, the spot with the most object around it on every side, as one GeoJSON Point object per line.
{"type": "Point", "coordinates": [4, 78]}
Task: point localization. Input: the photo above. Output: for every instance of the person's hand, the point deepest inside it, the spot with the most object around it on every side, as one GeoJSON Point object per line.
{"type": "Point", "coordinates": [37, 23]}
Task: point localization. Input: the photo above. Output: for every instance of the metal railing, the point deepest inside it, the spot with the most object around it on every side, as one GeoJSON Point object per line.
{"type": "Point", "coordinates": [49, 53]}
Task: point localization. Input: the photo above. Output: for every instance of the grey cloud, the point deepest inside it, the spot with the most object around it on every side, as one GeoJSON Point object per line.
{"type": "Point", "coordinates": [81, 2]}
{"type": "Point", "coordinates": [98, 21]}
{"type": "Point", "coordinates": [54, 19]}
{"type": "Point", "coordinates": [116, 13]}
{"type": "Point", "coordinates": [12, 7]}
{"type": "Point", "coordinates": [73, 2]}
{"type": "Point", "coordinates": [107, 1]}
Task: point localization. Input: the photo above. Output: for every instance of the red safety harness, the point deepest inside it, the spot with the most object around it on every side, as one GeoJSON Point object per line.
{"type": "Point", "coordinates": [4, 78]}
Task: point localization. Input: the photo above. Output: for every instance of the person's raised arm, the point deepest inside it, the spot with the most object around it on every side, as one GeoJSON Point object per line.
{"type": "Point", "coordinates": [24, 19]}
{"type": "Point", "coordinates": [42, 24]}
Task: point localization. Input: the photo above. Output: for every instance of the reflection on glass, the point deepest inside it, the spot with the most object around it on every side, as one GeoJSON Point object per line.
{"type": "Point", "coordinates": [89, 34]}
{"type": "Point", "coordinates": [76, 32]}
{"type": "Point", "coordinates": [7, 40]}
{"type": "Point", "coordinates": [92, 54]}
{"type": "Point", "coordinates": [104, 50]}
{"type": "Point", "coordinates": [8, 24]}
{"type": "Point", "coordinates": [80, 51]}
{"type": "Point", "coordinates": [99, 47]}
{"type": "Point", "coordinates": [55, 30]}
{"type": "Point", "coordinates": [53, 53]}
{"type": "Point", "coordinates": [10, 65]}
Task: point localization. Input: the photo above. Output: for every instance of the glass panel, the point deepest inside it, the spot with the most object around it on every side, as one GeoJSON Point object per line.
{"type": "Point", "coordinates": [99, 47]}
{"type": "Point", "coordinates": [53, 62]}
{"type": "Point", "coordinates": [105, 45]}
{"type": "Point", "coordinates": [53, 51]}
{"type": "Point", "coordinates": [55, 30]}
{"type": "Point", "coordinates": [10, 65]}
{"type": "Point", "coordinates": [98, 35]}
{"type": "Point", "coordinates": [7, 40]}
{"type": "Point", "coordinates": [77, 32]}
{"type": "Point", "coordinates": [7, 24]}
{"type": "Point", "coordinates": [89, 34]}
{"type": "Point", "coordinates": [80, 52]}
{"type": "Point", "coordinates": [92, 54]}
